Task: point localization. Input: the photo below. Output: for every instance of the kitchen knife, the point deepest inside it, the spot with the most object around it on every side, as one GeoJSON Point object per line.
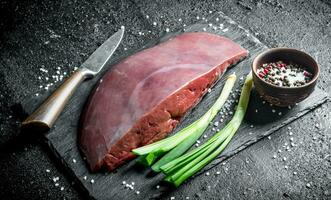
{"type": "Point", "coordinates": [43, 118]}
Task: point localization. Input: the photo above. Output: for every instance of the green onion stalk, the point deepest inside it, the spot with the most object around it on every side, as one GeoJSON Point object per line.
{"type": "Point", "coordinates": [183, 167]}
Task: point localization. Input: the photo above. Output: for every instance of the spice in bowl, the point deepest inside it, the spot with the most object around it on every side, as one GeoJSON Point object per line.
{"type": "Point", "coordinates": [284, 75]}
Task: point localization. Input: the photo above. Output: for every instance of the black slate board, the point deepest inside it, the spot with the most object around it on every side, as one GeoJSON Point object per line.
{"type": "Point", "coordinates": [62, 138]}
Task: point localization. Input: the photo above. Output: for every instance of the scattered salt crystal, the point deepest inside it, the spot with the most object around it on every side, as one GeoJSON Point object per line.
{"type": "Point", "coordinates": [284, 159]}
{"type": "Point", "coordinates": [147, 17]}
{"type": "Point", "coordinates": [263, 102]}
{"type": "Point", "coordinates": [85, 178]}
{"type": "Point", "coordinates": [154, 23]}
{"type": "Point", "coordinates": [250, 133]}
{"type": "Point", "coordinates": [273, 110]}
{"type": "Point", "coordinates": [198, 17]}
{"type": "Point", "coordinates": [137, 192]}
{"type": "Point", "coordinates": [47, 170]}
{"type": "Point", "coordinates": [196, 145]}
{"type": "Point", "coordinates": [187, 197]}
{"type": "Point", "coordinates": [295, 173]}
{"type": "Point", "coordinates": [172, 198]}
{"type": "Point", "coordinates": [204, 29]}
{"type": "Point", "coordinates": [37, 94]}
{"type": "Point", "coordinates": [209, 90]}
{"type": "Point", "coordinates": [213, 129]}
{"type": "Point", "coordinates": [56, 184]}
{"type": "Point", "coordinates": [207, 173]}
{"type": "Point", "coordinates": [289, 107]}
{"type": "Point", "coordinates": [280, 113]}
{"type": "Point", "coordinates": [274, 156]}
{"type": "Point", "coordinates": [180, 19]}
{"type": "Point", "coordinates": [74, 160]}
{"type": "Point", "coordinates": [308, 185]}
{"type": "Point", "coordinates": [62, 188]}
{"type": "Point", "coordinates": [252, 126]}
{"type": "Point", "coordinates": [204, 136]}
{"type": "Point", "coordinates": [218, 172]}
{"type": "Point", "coordinates": [217, 19]}
{"type": "Point", "coordinates": [269, 137]}
{"type": "Point", "coordinates": [167, 30]}
{"type": "Point", "coordinates": [221, 120]}
{"type": "Point", "coordinates": [216, 123]}
{"type": "Point", "coordinates": [157, 187]}
{"type": "Point", "coordinates": [210, 12]}
{"type": "Point", "coordinates": [39, 77]}
{"type": "Point", "coordinates": [256, 110]}
{"type": "Point", "coordinates": [210, 25]}
{"type": "Point", "coordinates": [292, 144]}
{"type": "Point", "coordinates": [92, 181]}
{"type": "Point", "coordinates": [286, 167]}
{"type": "Point", "coordinates": [291, 139]}
{"type": "Point", "coordinates": [289, 128]}
{"type": "Point", "coordinates": [279, 151]}
{"type": "Point", "coordinates": [290, 133]}
{"type": "Point", "coordinates": [225, 30]}
{"type": "Point", "coordinates": [122, 27]}
{"type": "Point", "coordinates": [125, 48]}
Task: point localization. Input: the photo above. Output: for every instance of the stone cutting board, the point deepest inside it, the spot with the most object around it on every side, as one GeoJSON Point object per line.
{"type": "Point", "coordinates": [260, 122]}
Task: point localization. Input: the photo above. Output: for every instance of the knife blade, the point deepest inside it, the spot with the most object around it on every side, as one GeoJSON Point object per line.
{"type": "Point", "coordinates": [44, 117]}
{"type": "Point", "coordinates": [99, 58]}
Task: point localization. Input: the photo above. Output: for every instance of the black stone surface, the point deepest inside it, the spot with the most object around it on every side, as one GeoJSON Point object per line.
{"type": "Point", "coordinates": [30, 33]}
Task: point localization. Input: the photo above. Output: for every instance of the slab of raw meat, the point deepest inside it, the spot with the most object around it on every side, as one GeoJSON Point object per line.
{"type": "Point", "coordinates": [141, 99]}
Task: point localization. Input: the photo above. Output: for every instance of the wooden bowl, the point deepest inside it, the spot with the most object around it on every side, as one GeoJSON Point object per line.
{"type": "Point", "coordinates": [284, 96]}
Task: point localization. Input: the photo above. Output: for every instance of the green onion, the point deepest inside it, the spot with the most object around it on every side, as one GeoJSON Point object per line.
{"type": "Point", "coordinates": [185, 138]}
{"type": "Point", "coordinates": [185, 166]}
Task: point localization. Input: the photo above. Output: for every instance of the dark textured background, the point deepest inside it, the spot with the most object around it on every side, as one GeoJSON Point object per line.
{"type": "Point", "coordinates": [62, 34]}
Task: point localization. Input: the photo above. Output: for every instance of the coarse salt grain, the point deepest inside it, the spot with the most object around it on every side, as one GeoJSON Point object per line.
{"type": "Point", "coordinates": [295, 173]}
{"type": "Point", "coordinates": [157, 187]}
{"type": "Point", "coordinates": [62, 188]}
{"type": "Point", "coordinates": [137, 192]}
{"type": "Point", "coordinates": [207, 173]}
{"type": "Point", "coordinates": [269, 137]}
{"type": "Point", "coordinates": [167, 30]}
{"type": "Point", "coordinates": [56, 184]}
{"type": "Point", "coordinates": [273, 110]}
{"type": "Point", "coordinates": [218, 172]}
{"type": "Point", "coordinates": [74, 160]}
{"type": "Point", "coordinates": [85, 177]}
{"type": "Point", "coordinates": [204, 29]}
{"type": "Point", "coordinates": [172, 198]}
{"type": "Point", "coordinates": [284, 159]}
{"type": "Point", "coordinates": [47, 170]}
{"type": "Point", "coordinates": [92, 181]}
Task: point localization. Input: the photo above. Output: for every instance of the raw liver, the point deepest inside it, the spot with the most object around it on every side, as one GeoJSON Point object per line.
{"type": "Point", "coordinates": [142, 98]}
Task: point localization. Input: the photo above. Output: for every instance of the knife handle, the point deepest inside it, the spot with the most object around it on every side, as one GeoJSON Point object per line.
{"type": "Point", "coordinates": [43, 118]}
